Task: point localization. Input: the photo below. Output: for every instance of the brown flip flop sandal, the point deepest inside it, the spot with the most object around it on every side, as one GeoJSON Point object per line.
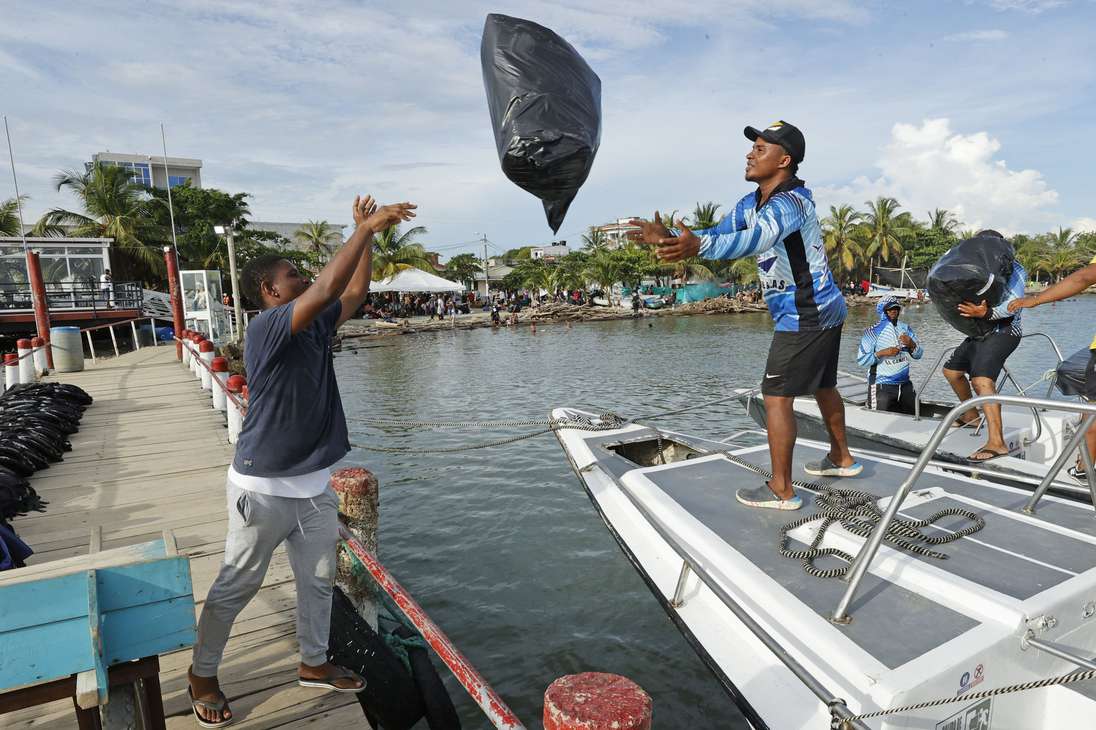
{"type": "Point", "coordinates": [218, 706]}
{"type": "Point", "coordinates": [328, 682]}
{"type": "Point", "coordinates": [992, 455]}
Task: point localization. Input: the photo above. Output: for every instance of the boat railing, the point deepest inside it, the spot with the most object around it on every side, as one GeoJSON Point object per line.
{"type": "Point", "coordinates": [867, 553]}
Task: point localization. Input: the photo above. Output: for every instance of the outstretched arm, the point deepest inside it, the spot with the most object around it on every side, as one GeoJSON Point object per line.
{"type": "Point", "coordinates": [1070, 286]}
{"type": "Point", "coordinates": [332, 281]}
{"type": "Point", "coordinates": [782, 214]}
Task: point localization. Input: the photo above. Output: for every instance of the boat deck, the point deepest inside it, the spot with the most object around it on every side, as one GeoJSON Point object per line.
{"type": "Point", "coordinates": [1015, 558]}
{"type": "Point", "coordinates": [151, 455]}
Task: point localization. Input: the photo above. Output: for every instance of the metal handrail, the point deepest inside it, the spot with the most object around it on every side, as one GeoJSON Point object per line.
{"type": "Point", "coordinates": [939, 360]}
{"type": "Point", "coordinates": [867, 553]}
{"type": "Point", "coordinates": [835, 704]}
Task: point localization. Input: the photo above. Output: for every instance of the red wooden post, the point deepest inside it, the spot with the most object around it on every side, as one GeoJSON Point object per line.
{"type": "Point", "coordinates": [176, 298]}
{"type": "Point", "coordinates": [596, 701]}
{"type": "Point", "coordinates": [41, 303]}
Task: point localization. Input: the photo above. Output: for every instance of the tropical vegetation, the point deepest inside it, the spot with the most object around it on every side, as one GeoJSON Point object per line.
{"type": "Point", "coordinates": [394, 252]}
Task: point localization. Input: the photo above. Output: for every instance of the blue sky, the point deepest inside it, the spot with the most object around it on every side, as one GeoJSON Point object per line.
{"type": "Point", "coordinates": [981, 106]}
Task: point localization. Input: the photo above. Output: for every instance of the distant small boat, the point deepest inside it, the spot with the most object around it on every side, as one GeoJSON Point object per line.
{"type": "Point", "coordinates": [652, 301]}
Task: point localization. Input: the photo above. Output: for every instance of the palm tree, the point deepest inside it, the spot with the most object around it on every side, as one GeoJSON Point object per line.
{"type": "Point", "coordinates": [943, 220]}
{"type": "Point", "coordinates": [691, 268]}
{"type": "Point", "coordinates": [706, 215]}
{"type": "Point", "coordinates": [745, 271]}
{"type": "Point", "coordinates": [9, 216]}
{"type": "Point", "coordinates": [113, 207]}
{"type": "Point", "coordinates": [603, 269]}
{"type": "Point", "coordinates": [595, 240]}
{"type": "Point", "coordinates": [318, 237]}
{"type": "Point", "coordinates": [394, 252]}
{"type": "Point", "coordinates": [1063, 239]}
{"type": "Point", "coordinates": [1059, 261]}
{"type": "Point", "coordinates": [885, 229]}
{"type": "Point", "coordinates": [841, 231]}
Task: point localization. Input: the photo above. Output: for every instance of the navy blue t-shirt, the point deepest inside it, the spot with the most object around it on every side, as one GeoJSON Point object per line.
{"type": "Point", "coordinates": [295, 422]}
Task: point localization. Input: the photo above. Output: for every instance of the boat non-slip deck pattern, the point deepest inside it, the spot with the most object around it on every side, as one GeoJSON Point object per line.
{"type": "Point", "coordinates": [1014, 556]}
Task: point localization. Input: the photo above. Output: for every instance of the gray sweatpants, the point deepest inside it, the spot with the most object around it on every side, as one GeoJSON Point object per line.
{"type": "Point", "coordinates": [257, 525]}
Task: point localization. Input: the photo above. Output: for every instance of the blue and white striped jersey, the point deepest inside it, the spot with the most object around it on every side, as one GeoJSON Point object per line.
{"type": "Point", "coordinates": [785, 236]}
{"type": "Point", "coordinates": [883, 335]}
{"type": "Point", "coordinates": [1014, 290]}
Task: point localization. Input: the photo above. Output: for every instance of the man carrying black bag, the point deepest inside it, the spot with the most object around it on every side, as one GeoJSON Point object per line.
{"type": "Point", "coordinates": [978, 361]}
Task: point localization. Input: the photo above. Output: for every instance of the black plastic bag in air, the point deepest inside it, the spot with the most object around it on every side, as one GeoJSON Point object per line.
{"type": "Point", "coordinates": [972, 270]}
{"type": "Point", "coordinates": [545, 104]}
{"type": "Point", "coordinates": [390, 697]}
{"type": "Point", "coordinates": [1070, 375]}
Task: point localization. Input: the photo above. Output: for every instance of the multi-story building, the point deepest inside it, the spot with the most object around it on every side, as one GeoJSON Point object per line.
{"type": "Point", "coordinates": [148, 170]}
{"type": "Point", "coordinates": [616, 233]}
{"type": "Point", "coordinates": [551, 252]}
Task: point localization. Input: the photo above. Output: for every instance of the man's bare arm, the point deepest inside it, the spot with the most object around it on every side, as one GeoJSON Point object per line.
{"type": "Point", "coordinates": [1070, 286]}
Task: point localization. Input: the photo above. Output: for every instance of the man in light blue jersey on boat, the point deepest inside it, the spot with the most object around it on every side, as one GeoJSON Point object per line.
{"type": "Point", "coordinates": [777, 224]}
{"type": "Point", "coordinates": [886, 349]}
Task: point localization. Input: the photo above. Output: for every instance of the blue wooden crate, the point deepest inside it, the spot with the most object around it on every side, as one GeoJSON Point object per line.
{"type": "Point", "coordinates": [82, 615]}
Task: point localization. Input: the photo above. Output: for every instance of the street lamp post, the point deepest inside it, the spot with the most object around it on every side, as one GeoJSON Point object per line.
{"type": "Point", "coordinates": [226, 231]}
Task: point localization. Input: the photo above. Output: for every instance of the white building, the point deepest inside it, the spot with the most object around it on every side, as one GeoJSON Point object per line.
{"type": "Point", "coordinates": [148, 170]}
{"type": "Point", "coordinates": [616, 233]}
{"type": "Point", "coordinates": [552, 252]}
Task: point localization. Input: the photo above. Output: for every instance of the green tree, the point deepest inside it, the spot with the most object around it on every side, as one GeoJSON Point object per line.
{"type": "Point", "coordinates": [885, 229]}
{"type": "Point", "coordinates": [394, 252]}
{"type": "Point", "coordinates": [9, 216]}
{"type": "Point", "coordinates": [943, 220]}
{"type": "Point", "coordinates": [841, 233]}
{"type": "Point", "coordinates": [115, 207]}
{"type": "Point", "coordinates": [744, 271]}
{"type": "Point", "coordinates": [318, 237]}
{"type": "Point", "coordinates": [513, 255]}
{"type": "Point", "coordinates": [706, 215]}
{"type": "Point", "coordinates": [463, 268]}
{"type": "Point", "coordinates": [603, 269]}
{"type": "Point", "coordinates": [594, 240]}
{"type": "Point", "coordinates": [196, 212]}
{"type": "Point", "coordinates": [927, 245]}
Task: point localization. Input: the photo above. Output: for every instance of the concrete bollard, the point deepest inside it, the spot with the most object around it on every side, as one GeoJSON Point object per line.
{"type": "Point", "coordinates": [184, 337]}
{"type": "Point", "coordinates": [26, 360]}
{"type": "Point", "coordinates": [205, 353]}
{"type": "Point", "coordinates": [219, 366]}
{"type": "Point", "coordinates": [195, 346]}
{"type": "Point", "coordinates": [596, 701]}
{"type": "Point", "coordinates": [11, 370]}
{"type": "Point", "coordinates": [41, 364]}
{"type": "Point", "coordinates": [236, 384]}
{"type": "Point", "coordinates": [359, 502]}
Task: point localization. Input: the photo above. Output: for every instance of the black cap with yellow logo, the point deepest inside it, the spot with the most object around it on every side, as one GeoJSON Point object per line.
{"type": "Point", "coordinates": [784, 134]}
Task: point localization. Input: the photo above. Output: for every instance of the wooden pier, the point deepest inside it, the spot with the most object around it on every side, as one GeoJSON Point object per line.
{"type": "Point", "coordinates": [152, 455]}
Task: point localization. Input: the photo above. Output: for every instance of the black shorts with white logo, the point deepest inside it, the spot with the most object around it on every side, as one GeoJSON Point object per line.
{"type": "Point", "coordinates": [983, 358]}
{"type": "Point", "coordinates": [801, 363]}
{"type": "Point", "coordinates": [893, 397]}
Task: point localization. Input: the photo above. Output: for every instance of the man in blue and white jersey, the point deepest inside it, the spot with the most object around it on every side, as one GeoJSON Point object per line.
{"type": "Point", "coordinates": [885, 349]}
{"type": "Point", "coordinates": [777, 224]}
{"type": "Point", "coordinates": [978, 361]}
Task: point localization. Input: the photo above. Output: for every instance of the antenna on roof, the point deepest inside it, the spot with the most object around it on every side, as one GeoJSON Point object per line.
{"type": "Point", "coordinates": [18, 199]}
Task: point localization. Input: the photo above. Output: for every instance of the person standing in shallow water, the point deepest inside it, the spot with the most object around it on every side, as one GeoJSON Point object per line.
{"type": "Point", "coordinates": [295, 430]}
{"type": "Point", "coordinates": [777, 223]}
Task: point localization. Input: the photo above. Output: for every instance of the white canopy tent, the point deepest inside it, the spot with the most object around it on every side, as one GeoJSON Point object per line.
{"type": "Point", "coordinates": [415, 280]}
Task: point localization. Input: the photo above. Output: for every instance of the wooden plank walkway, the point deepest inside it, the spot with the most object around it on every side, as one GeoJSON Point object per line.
{"type": "Point", "coordinates": [152, 455]}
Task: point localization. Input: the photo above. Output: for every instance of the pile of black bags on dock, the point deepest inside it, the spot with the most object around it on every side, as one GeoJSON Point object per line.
{"type": "Point", "coordinates": [35, 422]}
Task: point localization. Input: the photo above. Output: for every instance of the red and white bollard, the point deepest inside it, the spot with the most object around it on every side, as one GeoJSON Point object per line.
{"type": "Point", "coordinates": [184, 337]}
{"type": "Point", "coordinates": [195, 348]}
{"type": "Point", "coordinates": [236, 385]}
{"type": "Point", "coordinates": [219, 366]}
{"type": "Point", "coordinates": [596, 701]}
{"type": "Point", "coordinates": [26, 360]}
{"type": "Point", "coordinates": [205, 352]}
{"type": "Point", "coordinates": [41, 364]}
{"type": "Point", "coordinates": [11, 370]}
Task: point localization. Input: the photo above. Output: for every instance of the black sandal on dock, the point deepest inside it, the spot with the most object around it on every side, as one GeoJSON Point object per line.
{"type": "Point", "coordinates": [218, 706]}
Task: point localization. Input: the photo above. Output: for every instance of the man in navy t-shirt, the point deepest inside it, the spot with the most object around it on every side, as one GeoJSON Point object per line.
{"type": "Point", "coordinates": [295, 430]}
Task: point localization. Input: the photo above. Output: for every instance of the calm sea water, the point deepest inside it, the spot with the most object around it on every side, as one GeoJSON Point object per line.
{"type": "Point", "coordinates": [502, 546]}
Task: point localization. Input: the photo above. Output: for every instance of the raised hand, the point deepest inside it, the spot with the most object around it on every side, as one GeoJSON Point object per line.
{"type": "Point", "coordinates": [650, 232]}
{"type": "Point", "coordinates": [973, 311]}
{"type": "Point", "coordinates": [677, 248]}
{"type": "Point", "coordinates": [389, 215]}
{"type": "Point", "coordinates": [363, 208]}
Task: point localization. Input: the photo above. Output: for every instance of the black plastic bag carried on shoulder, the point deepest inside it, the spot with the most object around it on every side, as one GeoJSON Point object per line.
{"type": "Point", "coordinates": [971, 271]}
{"type": "Point", "coordinates": [545, 104]}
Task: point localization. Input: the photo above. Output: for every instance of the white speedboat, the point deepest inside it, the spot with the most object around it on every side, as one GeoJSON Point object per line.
{"type": "Point", "coordinates": [1012, 603]}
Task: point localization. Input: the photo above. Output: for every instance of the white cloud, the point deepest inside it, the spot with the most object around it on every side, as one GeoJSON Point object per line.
{"type": "Point", "coordinates": [979, 36]}
{"type": "Point", "coordinates": [1027, 6]}
{"type": "Point", "coordinates": [930, 166]}
{"type": "Point", "coordinates": [1085, 225]}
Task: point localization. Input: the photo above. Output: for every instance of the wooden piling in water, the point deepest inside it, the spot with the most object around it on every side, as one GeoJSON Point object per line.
{"type": "Point", "coordinates": [359, 503]}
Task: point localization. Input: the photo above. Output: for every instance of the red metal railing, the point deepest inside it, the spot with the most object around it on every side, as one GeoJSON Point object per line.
{"type": "Point", "coordinates": [492, 705]}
